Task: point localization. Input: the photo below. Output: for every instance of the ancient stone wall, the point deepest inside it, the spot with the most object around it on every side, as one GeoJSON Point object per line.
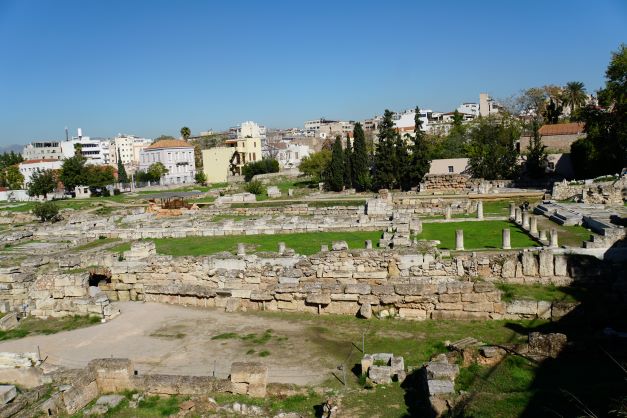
{"type": "Point", "coordinates": [587, 191]}
{"type": "Point", "coordinates": [405, 284]}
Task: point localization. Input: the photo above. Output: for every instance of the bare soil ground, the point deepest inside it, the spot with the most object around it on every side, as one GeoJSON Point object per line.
{"type": "Point", "coordinates": [179, 340]}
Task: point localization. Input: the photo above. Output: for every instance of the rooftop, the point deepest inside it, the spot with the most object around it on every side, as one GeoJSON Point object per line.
{"type": "Point", "coordinates": [170, 143]}
{"type": "Point", "coordinates": [572, 128]}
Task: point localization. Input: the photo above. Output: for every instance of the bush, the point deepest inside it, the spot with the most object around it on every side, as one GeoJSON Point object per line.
{"type": "Point", "coordinates": [255, 187]}
{"type": "Point", "coordinates": [116, 192]}
{"type": "Point", "coordinates": [268, 165]}
{"type": "Point", "coordinates": [200, 178]}
{"type": "Point", "coordinates": [46, 211]}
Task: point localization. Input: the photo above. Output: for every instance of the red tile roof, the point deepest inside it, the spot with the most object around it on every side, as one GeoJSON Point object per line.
{"type": "Point", "coordinates": [42, 160]}
{"type": "Point", "coordinates": [572, 128]}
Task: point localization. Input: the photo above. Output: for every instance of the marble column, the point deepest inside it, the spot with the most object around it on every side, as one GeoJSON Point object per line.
{"type": "Point", "coordinates": [369, 244]}
{"type": "Point", "coordinates": [554, 243]}
{"type": "Point", "coordinates": [518, 216]}
{"type": "Point", "coordinates": [525, 220]}
{"type": "Point", "coordinates": [533, 226]}
{"type": "Point", "coordinates": [241, 249]}
{"type": "Point", "coordinates": [507, 243]}
{"type": "Point", "coordinates": [281, 247]}
{"type": "Point", "coordinates": [459, 240]}
{"type": "Point", "coordinates": [512, 211]}
{"type": "Point", "coordinates": [447, 212]}
{"type": "Point", "coordinates": [543, 235]}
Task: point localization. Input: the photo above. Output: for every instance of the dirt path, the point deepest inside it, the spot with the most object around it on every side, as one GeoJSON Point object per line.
{"type": "Point", "coordinates": [172, 339]}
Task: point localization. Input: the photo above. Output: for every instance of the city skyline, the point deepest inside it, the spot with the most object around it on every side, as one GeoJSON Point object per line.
{"type": "Point", "coordinates": [150, 68]}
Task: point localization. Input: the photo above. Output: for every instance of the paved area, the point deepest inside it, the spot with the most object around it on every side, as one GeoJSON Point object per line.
{"type": "Point", "coordinates": [172, 339]}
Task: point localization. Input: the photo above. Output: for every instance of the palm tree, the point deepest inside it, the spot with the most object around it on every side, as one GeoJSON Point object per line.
{"type": "Point", "coordinates": [574, 95]}
{"type": "Point", "coordinates": [185, 132]}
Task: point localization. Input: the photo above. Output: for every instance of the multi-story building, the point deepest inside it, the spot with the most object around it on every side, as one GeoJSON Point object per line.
{"type": "Point", "coordinates": [30, 167]}
{"type": "Point", "coordinates": [469, 108]}
{"type": "Point", "coordinates": [290, 155]}
{"type": "Point", "coordinates": [127, 148]}
{"type": "Point", "coordinates": [176, 155]}
{"type": "Point", "coordinates": [43, 150]}
{"type": "Point", "coordinates": [246, 147]}
{"type": "Point", "coordinates": [248, 129]}
{"type": "Point", "coordinates": [487, 105]}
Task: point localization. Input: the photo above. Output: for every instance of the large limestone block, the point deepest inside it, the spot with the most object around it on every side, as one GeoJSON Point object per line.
{"type": "Point", "coordinates": [546, 263]}
{"type": "Point", "coordinates": [529, 264]}
{"type": "Point", "coordinates": [318, 299]}
{"type": "Point", "coordinates": [362, 289]}
{"type": "Point", "coordinates": [479, 307]}
{"type": "Point", "coordinates": [522, 307]}
{"type": "Point", "coordinates": [450, 297]}
{"type": "Point", "coordinates": [561, 266]}
{"type": "Point", "coordinates": [380, 375]}
{"type": "Point", "coordinates": [436, 387]}
{"type": "Point", "coordinates": [437, 370]}
{"type": "Point", "coordinates": [412, 314]}
{"type": "Point", "coordinates": [416, 289]}
{"type": "Point", "coordinates": [459, 315]}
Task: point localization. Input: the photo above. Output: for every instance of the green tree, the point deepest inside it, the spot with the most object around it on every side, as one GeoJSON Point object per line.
{"type": "Point", "coordinates": [156, 171]}
{"type": "Point", "coordinates": [604, 150]}
{"type": "Point", "coordinates": [267, 165]}
{"type": "Point", "coordinates": [492, 150]}
{"type": "Point", "coordinates": [335, 173]}
{"type": "Point", "coordinates": [348, 164]}
{"type": "Point", "coordinates": [11, 177]}
{"type": "Point", "coordinates": [41, 183]}
{"type": "Point", "coordinates": [574, 95]}
{"type": "Point", "coordinates": [99, 176]}
{"type": "Point", "coordinates": [46, 211]}
{"type": "Point", "coordinates": [200, 178]}
{"type": "Point", "coordinates": [122, 176]}
{"type": "Point", "coordinates": [316, 164]}
{"type": "Point", "coordinates": [162, 137]}
{"type": "Point", "coordinates": [360, 164]}
{"type": "Point", "coordinates": [536, 162]}
{"type": "Point", "coordinates": [553, 112]}
{"type": "Point", "coordinates": [7, 159]}
{"type": "Point", "coordinates": [420, 153]}
{"type": "Point", "coordinates": [384, 158]}
{"type": "Point", "coordinates": [185, 132]}
{"type": "Point", "coordinates": [73, 172]}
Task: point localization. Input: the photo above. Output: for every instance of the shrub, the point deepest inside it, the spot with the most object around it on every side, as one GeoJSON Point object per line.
{"type": "Point", "coordinates": [46, 211]}
{"type": "Point", "coordinates": [255, 187]}
{"type": "Point", "coordinates": [268, 165]}
{"type": "Point", "coordinates": [116, 192]}
{"type": "Point", "coordinates": [200, 178]}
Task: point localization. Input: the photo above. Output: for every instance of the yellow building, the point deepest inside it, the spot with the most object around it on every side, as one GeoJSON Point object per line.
{"type": "Point", "coordinates": [246, 146]}
{"type": "Point", "coordinates": [216, 163]}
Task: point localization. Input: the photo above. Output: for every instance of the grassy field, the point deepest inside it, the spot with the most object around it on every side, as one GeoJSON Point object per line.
{"type": "Point", "coordinates": [31, 326]}
{"type": "Point", "coordinates": [305, 243]}
{"type": "Point", "coordinates": [571, 235]}
{"type": "Point", "coordinates": [477, 235]}
{"type": "Point", "coordinates": [538, 292]}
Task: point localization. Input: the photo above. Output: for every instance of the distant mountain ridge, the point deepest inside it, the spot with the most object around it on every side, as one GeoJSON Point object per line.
{"type": "Point", "coordinates": [12, 147]}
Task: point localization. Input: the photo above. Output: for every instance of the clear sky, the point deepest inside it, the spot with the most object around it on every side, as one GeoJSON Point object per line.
{"type": "Point", "coordinates": [150, 67]}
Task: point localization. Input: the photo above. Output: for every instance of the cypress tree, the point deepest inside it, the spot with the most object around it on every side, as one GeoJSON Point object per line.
{"type": "Point", "coordinates": [361, 174]}
{"type": "Point", "coordinates": [348, 164]}
{"type": "Point", "coordinates": [122, 176]}
{"type": "Point", "coordinates": [384, 158]}
{"type": "Point", "coordinates": [420, 158]}
{"type": "Point", "coordinates": [536, 153]}
{"type": "Point", "coordinates": [403, 163]}
{"type": "Point", "coordinates": [335, 175]}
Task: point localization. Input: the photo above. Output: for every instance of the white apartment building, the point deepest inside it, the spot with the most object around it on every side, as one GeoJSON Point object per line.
{"type": "Point", "coordinates": [248, 129]}
{"type": "Point", "coordinates": [469, 108]}
{"type": "Point", "coordinates": [29, 167]}
{"type": "Point", "coordinates": [127, 148]}
{"type": "Point", "coordinates": [43, 150]}
{"type": "Point", "coordinates": [176, 155]}
{"type": "Point", "coordinates": [291, 155]}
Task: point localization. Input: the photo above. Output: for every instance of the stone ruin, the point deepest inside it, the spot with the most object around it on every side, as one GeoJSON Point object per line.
{"type": "Point", "coordinates": [592, 191]}
{"type": "Point", "coordinates": [383, 368]}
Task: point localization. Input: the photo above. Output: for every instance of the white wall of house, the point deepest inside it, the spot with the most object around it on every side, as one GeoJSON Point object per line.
{"type": "Point", "coordinates": [291, 156]}
{"type": "Point", "coordinates": [448, 166]}
{"type": "Point", "coordinates": [178, 160]}
{"type": "Point", "coordinates": [29, 167]}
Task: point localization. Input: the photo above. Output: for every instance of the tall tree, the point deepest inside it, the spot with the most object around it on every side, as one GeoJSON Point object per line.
{"type": "Point", "coordinates": [553, 112]}
{"type": "Point", "coordinates": [11, 177]}
{"type": "Point", "coordinates": [316, 165]}
{"type": "Point", "coordinates": [8, 159]}
{"type": "Point", "coordinates": [492, 151]}
{"type": "Point", "coordinates": [361, 171]}
{"type": "Point", "coordinates": [384, 158]}
{"type": "Point", "coordinates": [420, 154]}
{"type": "Point", "coordinates": [574, 95]}
{"type": "Point", "coordinates": [604, 150]}
{"type": "Point", "coordinates": [41, 183]}
{"type": "Point", "coordinates": [122, 176]}
{"type": "Point", "coordinates": [186, 132]}
{"type": "Point", "coordinates": [536, 162]}
{"type": "Point", "coordinates": [348, 164]}
{"type": "Point", "coordinates": [73, 172]}
{"type": "Point", "coordinates": [156, 171]}
{"type": "Point", "coordinates": [335, 174]}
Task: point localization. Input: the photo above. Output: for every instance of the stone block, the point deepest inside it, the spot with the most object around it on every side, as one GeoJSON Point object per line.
{"type": "Point", "coordinates": [389, 299]}
{"type": "Point", "coordinates": [371, 299]}
{"type": "Point", "coordinates": [449, 306]}
{"type": "Point", "coordinates": [544, 309]}
{"type": "Point", "coordinates": [413, 314]}
{"type": "Point", "coordinates": [365, 311]}
{"type": "Point", "coordinates": [474, 297]}
{"type": "Point", "coordinates": [561, 265]}
{"type": "Point", "coordinates": [484, 287]}
{"type": "Point", "coordinates": [380, 275]}
{"type": "Point", "coordinates": [529, 264]}
{"type": "Point", "coordinates": [416, 289]}
{"type": "Point", "coordinates": [459, 287]}
{"type": "Point", "coordinates": [7, 393]}
{"type": "Point", "coordinates": [478, 307]}
{"type": "Point", "coordinates": [318, 299]}
{"type": "Point", "coordinates": [459, 315]}
{"type": "Point", "coordinates": [387, 289]}
{"type": "Point", "coordinates": [436, 387]}
{"type": "Point", "coordinates": [450, 297]}
{"type": "Point", "coordinates": [522, 307]}
{"type": "Point", "coordinates": [345, 297]}
{"type": "Point", "coordinates": [233, 304]}
{"type": "Point", "coordinates": [362, 289]}
{"type": "Point", "coordinates": [438, 370]}
{"type": "Point", "coordinates": [546, 263]}
{"type": "Point", "coordinates": [380, 375]}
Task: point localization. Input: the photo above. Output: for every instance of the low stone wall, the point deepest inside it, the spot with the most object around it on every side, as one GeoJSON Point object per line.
{"type": "Point", "coordinates": [587, 191]}
{"type": "Point", "coordinates": [392, 282]}
{"type": "Point", "coordinates": [446, 182]}
{"type": "Point", "coordinates": [114, 375]}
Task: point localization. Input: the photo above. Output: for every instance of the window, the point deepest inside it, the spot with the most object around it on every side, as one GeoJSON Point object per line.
{"type": "Point", "coordinates": [450, 169]}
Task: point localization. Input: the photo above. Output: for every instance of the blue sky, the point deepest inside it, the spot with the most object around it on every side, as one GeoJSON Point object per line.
{"type": "Point", "coordinates": [150, 67]}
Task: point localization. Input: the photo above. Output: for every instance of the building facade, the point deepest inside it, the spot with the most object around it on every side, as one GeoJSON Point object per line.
{"type": "Point", "coordinates": [30, 167]}
{"type": "Point", "coordinates": [216, 164]}
{"type": "Point", "coordinates": [176, 155]}
{"type": "Point", "coordinates": [246, 147]}
{"type": "Point", "coordinates": [43, 150]}
{"type": "Point", "coordinates": [127, 148]}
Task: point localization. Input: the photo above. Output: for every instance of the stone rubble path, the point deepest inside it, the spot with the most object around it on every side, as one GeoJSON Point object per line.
{"type": "Point", "coordinates": [172, 339]}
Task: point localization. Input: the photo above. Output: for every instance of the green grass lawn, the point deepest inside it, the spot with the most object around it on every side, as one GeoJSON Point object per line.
{"type": "Point", "coordinates": [512, 291]}
{"type": "Point", "coordinates": [32, 326]}
{"type": "Point", "coordinates": [120, 248]}
{"type": "Point", "coordinates": [477, 235]}
{"type": "Point", "coordinates": [94, 244]}
{"type": "Point", "coordinates": [304, 243]}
